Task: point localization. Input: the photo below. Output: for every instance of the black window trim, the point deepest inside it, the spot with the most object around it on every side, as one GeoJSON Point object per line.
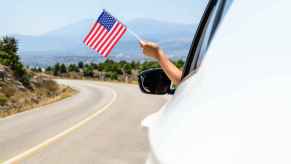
{"type": "Point", "coordinates": [197, 39]}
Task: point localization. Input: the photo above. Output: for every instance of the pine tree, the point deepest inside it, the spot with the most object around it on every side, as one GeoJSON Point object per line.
{"type": "Point", "coordinates": [63, 68]}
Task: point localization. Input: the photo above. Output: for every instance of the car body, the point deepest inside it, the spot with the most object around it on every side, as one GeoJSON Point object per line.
{"type": "Point", "coordinates": [233, 105]}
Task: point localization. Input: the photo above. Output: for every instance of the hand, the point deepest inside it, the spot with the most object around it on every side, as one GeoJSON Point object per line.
{"type": "Point", "coordinates": [151, 49]}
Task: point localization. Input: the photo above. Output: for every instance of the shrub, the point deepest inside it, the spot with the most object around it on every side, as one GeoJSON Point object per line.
{"type": "Point", "coordinates": [88, 71]}
{"type": "Point", "coordinates": [127, 68]}
{"type": "Point", "coordinates": [8, 91]}
{"type": "Point", "coordinates": [51, 85]}
{"type": "Point", "coordinates": [114, 76]}
{"type": "Point", "coordinates": [25, 80]}
{"type": "Point", "coordinates": [3, 100]}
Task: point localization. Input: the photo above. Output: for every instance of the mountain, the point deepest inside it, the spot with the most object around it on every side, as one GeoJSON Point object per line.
{"type": "Point", "coordinates": [65, 44]}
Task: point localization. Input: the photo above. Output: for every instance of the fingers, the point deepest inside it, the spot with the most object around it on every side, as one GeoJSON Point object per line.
{"type": "Point", "coordinates": [145, 44]}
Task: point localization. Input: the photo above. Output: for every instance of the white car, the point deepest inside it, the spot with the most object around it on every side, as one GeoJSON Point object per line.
{"type": "Point", "coordinates": [233, 105]}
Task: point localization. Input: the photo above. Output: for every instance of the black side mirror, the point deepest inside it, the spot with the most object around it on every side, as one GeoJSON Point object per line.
{"type": "Point", "coordinates": [155, 81]}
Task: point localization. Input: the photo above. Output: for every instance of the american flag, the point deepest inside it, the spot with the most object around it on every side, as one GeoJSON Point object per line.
{"type": "Point", "coordinates": [105, 34]}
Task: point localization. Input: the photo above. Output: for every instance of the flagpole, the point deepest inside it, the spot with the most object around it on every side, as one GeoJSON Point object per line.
{"type": "Point", "coordinates": [129, 30]}
{"type": "Point", "coordinates": [135, 35]}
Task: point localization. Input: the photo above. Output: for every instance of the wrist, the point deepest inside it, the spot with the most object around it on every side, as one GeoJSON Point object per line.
{"type": "Point", "coordinates": [160, 55]}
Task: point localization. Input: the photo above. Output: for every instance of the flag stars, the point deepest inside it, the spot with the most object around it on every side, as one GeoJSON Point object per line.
{"type": "Point", "coordinates": [107, 20]}
{"type": "Point", "coordinates": [105, 34]}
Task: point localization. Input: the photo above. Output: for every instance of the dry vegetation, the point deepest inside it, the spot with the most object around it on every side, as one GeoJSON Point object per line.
{"type": "Point", "coordinates": [15, 97]}
{"type": "Point", "coordinates": [21, 89]}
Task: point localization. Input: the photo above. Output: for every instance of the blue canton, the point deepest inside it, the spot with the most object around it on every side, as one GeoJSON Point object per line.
{"type": "Point", "coordinates": [106, 20]}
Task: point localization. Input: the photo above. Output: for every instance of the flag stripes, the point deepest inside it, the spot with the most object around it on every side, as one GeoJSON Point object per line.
{"type": "Point", "coordinates": [104, 34]}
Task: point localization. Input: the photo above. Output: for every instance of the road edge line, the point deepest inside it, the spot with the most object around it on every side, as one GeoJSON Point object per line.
{"type": "Point", "coordinates": [62, 134]}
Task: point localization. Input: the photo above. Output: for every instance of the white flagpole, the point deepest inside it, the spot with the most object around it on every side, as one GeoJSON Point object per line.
{"type": "Point", "coordinates": [135, 35]}
{"type": "Point", "coordinates": [129, 30]}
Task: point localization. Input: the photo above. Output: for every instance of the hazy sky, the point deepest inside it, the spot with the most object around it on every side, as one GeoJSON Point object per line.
{"type": "Point", "coordinates": [34, 17]}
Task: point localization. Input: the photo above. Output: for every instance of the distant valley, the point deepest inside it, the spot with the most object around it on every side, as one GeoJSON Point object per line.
{"type": "Point", "coordinates": [65, 45]}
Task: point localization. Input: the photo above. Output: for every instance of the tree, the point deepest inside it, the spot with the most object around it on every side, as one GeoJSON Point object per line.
{"type": "Point", "coordinates": [19, 71]}
{"type": "Point", "coordinates": [9, 45]}
{"type": "Point", "coordinates": [127, 68]}
{"type": "Point", "coordinates": [8, 48]}
{"type": "Point", "coordinates": [88, 71]}
{"type": "Point", "coordinates": [109, 61]}
{"type": "Point", "coordinates": [63, 68]}
{"type": "Point", "coordinates": [149, 64]}
{"type": "Point", "coordinates": [57, 69]}
{"type": "Point", "coordinates": [9, 57]}
{"type": "Point", "coordinates": [94, 65]}
{"type": "Point", "coordinates": [36, 69]}
{"type": "Point", "coordinates": [113, 76]}
{"type": "Point", "coordinates": [179, 63]}
{"type": "Point", "coordinates": [81, 65]}
{"type": "Point", "coordinates": [135, 65]}
{"type": "Point", "coordinates": [73, 68]}
{"type": "Point", "coordinates": [48, 69]}
{"type": "Point", "coordinates": [5, 58]}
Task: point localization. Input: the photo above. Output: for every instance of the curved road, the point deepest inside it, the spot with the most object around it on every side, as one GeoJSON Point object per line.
{"type": "Point", "coordinates": [99, 125]}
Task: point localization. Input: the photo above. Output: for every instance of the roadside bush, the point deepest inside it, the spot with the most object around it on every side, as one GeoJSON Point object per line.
{"type": "Point", "coordinates": [88, 71]}
{"type": "Point", "coordinates": [111, 75]}
{"type": "Point", "coordinates": [3, 100]}
{"type": "Point", "coordinates": [25, 80]}
{"type": "Point", "coordinates": [8, 91]}
{"type": "Point", "coordinates": [51, 85]}
{"type": "Point", "coordinates": [127, 68]}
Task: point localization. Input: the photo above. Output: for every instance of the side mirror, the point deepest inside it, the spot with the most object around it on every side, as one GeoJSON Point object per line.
{"type": "Point", "coordinates": [155, 81]}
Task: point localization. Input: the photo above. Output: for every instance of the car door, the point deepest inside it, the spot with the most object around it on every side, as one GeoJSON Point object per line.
{"type": "Point", "coordinates": [210, 21]}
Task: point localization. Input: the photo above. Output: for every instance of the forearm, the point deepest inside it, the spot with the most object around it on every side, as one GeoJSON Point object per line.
{"type": "Point", "coordinates": [169, 68]}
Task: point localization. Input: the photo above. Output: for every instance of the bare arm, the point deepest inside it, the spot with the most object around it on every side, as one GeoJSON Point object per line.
{"type": "Point", "coordinates": [153, 50]}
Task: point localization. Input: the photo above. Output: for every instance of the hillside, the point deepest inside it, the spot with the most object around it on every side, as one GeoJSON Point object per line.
{"type": "Point", "coordinates": [21, 89]}
{"type": "Point", "coordinates": [65, 45]}
{"type": "Point", "coordinates": [15, 97]}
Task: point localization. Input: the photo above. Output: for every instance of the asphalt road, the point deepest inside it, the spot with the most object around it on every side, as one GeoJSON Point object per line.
{"type": "Point", "coordinates": [99, 125]}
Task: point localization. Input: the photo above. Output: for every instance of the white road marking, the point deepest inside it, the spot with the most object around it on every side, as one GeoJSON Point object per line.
{"type": "Point", "coordinates": [62, 134]}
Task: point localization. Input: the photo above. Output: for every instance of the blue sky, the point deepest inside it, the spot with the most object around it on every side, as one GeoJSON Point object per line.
{"type": "Point", "coordinates": [35, 17]}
